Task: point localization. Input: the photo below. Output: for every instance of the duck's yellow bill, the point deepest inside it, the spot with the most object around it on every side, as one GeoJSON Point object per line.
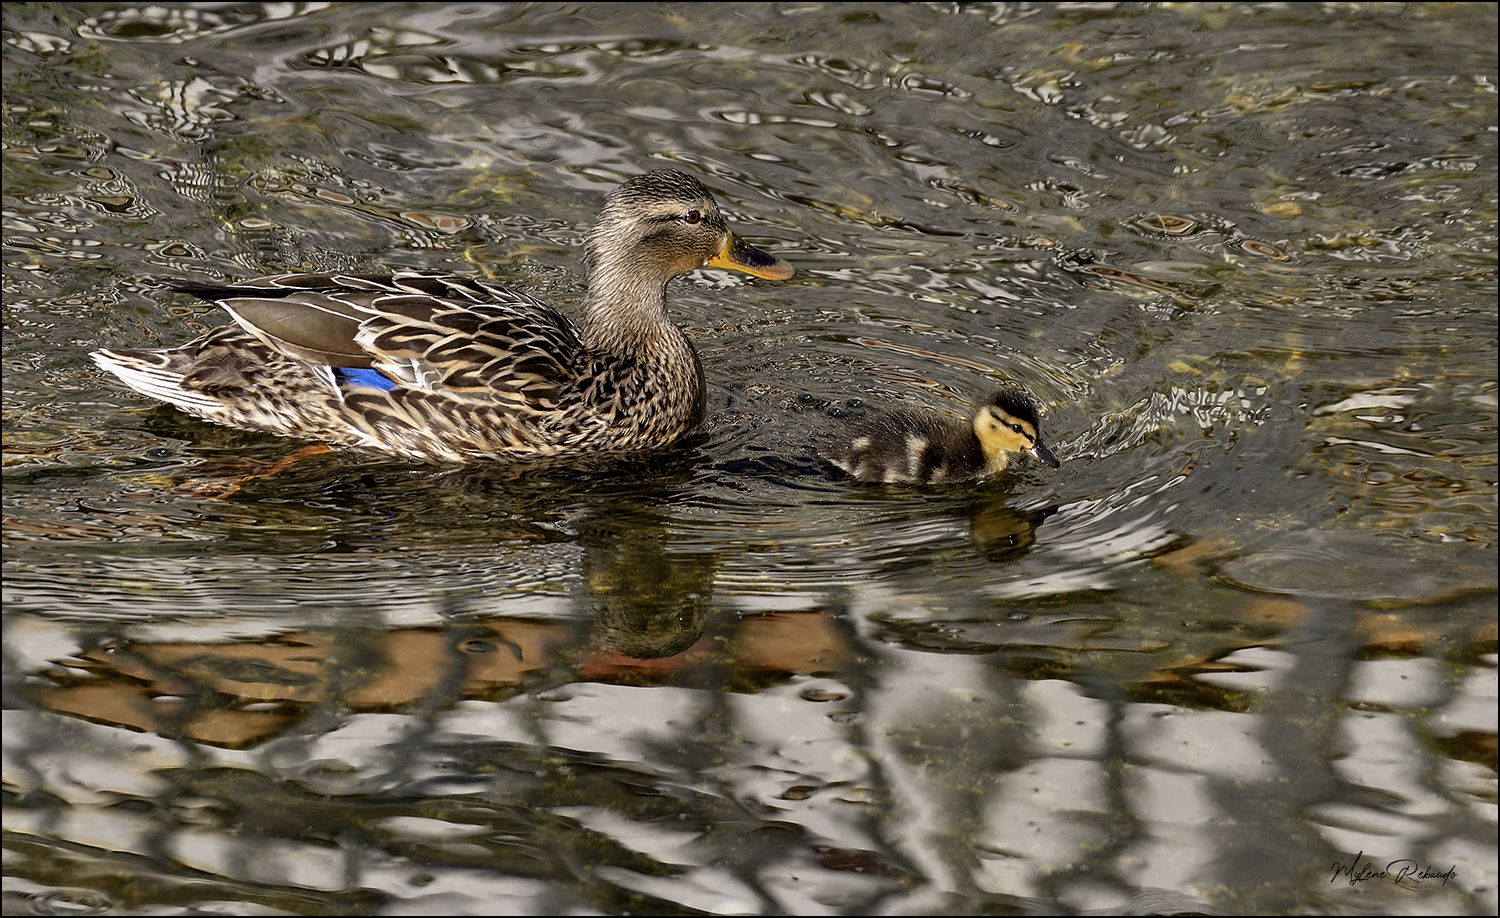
{"type": "Point", "coordinates": [742, 256]}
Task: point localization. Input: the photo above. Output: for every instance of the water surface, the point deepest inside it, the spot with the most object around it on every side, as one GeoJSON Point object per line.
{"type": "Point", "coordinates": [1244, 257]}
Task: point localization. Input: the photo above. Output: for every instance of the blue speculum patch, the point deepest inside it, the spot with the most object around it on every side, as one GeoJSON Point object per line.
{"type": "Point", "coordinates": [362, 377]}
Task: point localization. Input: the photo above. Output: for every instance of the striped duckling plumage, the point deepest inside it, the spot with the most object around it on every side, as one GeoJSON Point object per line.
{"type": "Point", "coordinates": [911, 446]}
{"type": "Point", "coordinates": [439, 367]}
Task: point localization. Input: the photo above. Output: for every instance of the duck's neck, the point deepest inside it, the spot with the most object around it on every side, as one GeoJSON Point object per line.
{"type": "Point", "coordinates": [626, 309]}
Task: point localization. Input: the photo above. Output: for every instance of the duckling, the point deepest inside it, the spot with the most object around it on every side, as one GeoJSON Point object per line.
{"type": "Point", "coordinates": [438, 367]}
{"type": "Point", "coordinates": [909, 446]}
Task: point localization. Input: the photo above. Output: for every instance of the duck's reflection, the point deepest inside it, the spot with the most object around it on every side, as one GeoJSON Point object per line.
{"type": "Point", "coordinates": [647, 601]}
{"type": "Point", "coordinates": [646, 615]}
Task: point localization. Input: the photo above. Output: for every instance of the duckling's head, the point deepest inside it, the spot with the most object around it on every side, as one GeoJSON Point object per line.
{"type": "Point", "coordinates": [662, 224]}
{"type": "Point", "coordinates": [1006, 423]}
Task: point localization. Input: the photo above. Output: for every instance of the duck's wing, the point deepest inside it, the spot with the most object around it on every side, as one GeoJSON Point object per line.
{"type": "Point", "coordinates": [458, 337]}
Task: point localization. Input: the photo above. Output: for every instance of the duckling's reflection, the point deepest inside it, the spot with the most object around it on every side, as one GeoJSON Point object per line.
{"type": "Point", "coordinates": [1002, 533]}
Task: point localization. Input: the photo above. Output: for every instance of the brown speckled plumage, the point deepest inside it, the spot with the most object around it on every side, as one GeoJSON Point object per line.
{"type": "Point", "coordinates": [467, 369]}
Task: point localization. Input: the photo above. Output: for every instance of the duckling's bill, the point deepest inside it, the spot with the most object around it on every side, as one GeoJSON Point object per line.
{"type": "Point", "coordinates": [1042, 454]}
{"type": "Point", "coordinates": [738, 255]}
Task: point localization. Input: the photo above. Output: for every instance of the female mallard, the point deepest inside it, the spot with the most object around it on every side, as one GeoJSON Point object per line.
{"type": "Point", "coordinates": [432, 366]}
{"type": "Point", "coordinates": [906, 446]}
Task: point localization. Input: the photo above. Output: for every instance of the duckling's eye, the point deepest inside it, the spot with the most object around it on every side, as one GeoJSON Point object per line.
{"type": "Point", "coordinates": [693, 216]}
{"type": "Point", "coordinates": [1014, 428]}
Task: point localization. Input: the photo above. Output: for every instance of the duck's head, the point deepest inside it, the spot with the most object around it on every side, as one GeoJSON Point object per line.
{"type": "Point", "coordinates": [1006, 423]}
{"type": "Point", "coordinates": [662, 224]}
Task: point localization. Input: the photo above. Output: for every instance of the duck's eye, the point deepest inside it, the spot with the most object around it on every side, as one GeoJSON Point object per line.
{"type": "Point", "coordinates": [693, 216]}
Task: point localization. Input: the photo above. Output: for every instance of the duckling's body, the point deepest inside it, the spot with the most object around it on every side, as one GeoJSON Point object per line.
{"type": "Point", "coordinates": [432, 366]}
{"type": "Point", "coordinates": [911, 446]}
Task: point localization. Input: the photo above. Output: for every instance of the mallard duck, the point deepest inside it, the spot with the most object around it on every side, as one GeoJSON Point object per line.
{"type": "Point", "coordinates": [438, 367]}
{"type": "Point", "coordinates": [909, 446]}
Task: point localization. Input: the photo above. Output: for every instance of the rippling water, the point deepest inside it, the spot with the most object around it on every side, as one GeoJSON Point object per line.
{"type": "Point", "coordinates": [1244, 256]}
